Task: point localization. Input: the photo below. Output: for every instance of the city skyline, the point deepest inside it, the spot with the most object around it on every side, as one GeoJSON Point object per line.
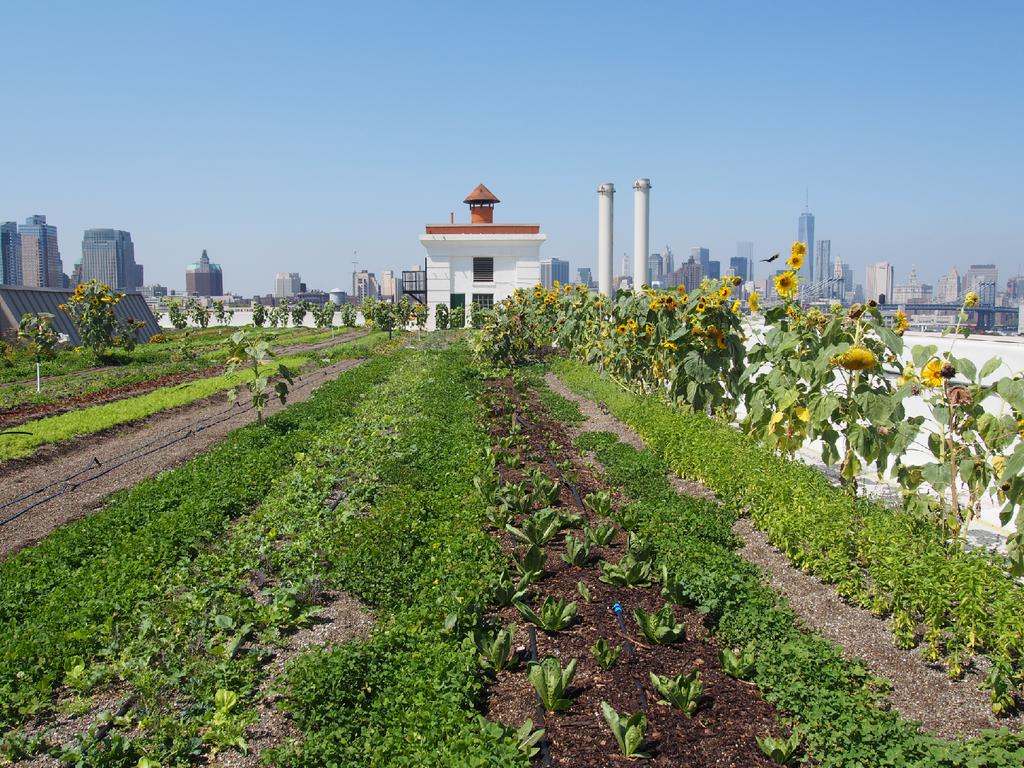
{"type": "Point", "coordinates": [187, 156]}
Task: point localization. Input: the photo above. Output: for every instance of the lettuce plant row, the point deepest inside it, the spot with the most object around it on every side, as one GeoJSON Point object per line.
{"type": "Point", "coordinates": [890, 561]}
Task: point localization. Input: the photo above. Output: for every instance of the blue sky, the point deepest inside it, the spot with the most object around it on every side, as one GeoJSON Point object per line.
{"type": "Point", "coordinates": [287, 137]}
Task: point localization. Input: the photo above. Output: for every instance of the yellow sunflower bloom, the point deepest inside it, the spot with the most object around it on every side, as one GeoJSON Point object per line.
{"type": "Point", "coordinates": [648, 329]}
{"type": "Point", "coordinates": [902, 323]}
{"type": "Point", "coordinates": [681, 290]}
{"type": "Point", "coordinates": [725, 292]}
{"type": "Point", "coordinates": [971, 299]}
{"type": "Point", "coordinates": [798, 249]}
{"type": "Point", "coordinates": [931, 374]}
{"type": "Point", "coordinates": [754, 302]}
{"type": "Point", "coordinates": [621, 329]}
{"type": "Point", "coordinates": [670, 345]}
{"type": "Point", "coordinates": [857, 359]}
{"type": "Point", "coordinates": [786, 285]}
{"type": "Point", "coordinates": [736, 306]}
{"type": "Point", "coordinates": [795, 260]}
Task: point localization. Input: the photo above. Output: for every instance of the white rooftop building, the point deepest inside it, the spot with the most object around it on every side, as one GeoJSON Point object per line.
{"type": "Point", "coordinates": [481, 261]}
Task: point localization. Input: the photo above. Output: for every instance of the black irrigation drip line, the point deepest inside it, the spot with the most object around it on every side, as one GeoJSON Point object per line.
{"type": "Point", "coordinates": [69, 483]}
{"type": "Point", "coordinates": [545, 745]}
{"type": "Point", "coordinates": [631, 650]}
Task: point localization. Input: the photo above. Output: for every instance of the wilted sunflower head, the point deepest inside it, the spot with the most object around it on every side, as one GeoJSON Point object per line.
{"type": "Point", "coordinates": [971, 299]}
{"type": "Point", "coordinates": [754, 301]}
{"type": "Point", "coordinates": [857, 359]}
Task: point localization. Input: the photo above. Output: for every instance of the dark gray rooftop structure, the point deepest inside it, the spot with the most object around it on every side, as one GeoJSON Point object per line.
{"type": "Point", "coordinates": [16, 301]}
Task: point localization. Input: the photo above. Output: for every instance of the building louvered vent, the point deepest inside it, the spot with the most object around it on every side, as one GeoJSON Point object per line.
{"type": "Point", "coordinates": [483, 269]}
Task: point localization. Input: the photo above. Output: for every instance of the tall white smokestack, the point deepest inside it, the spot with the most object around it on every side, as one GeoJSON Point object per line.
{"type": "Point", "coordinates": [605, 205]}
{"type": "Point", "coordinates": [641, 230]}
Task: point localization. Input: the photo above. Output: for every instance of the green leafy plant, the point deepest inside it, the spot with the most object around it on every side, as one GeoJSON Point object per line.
{"type": "Point", "coordinates": [600, 536]}
{"type": "Point", "coordinates": [516, 497]}
{"type": "Point", "coordinates": [539, 528]}
{"type": "Point", "coordinates": [628, 572]}
{"type": "Point", "coordinates": [581, 587]}
{"type": "Point", "coordinates": [499, 516]}
{"type": "Point", "coordinates": [253, 352]}
{"type": "Point", "coordinates": [780, 751]}
{"type": "Point", "coordinates": [554, 615]}
{"type": "Point", "coordinates": [486, 485]}
{"type": "Point", "coordinates": [221, 313]}
{"type": "Point", "coordinates": [504, 591]}
{"type": "Point", "coordinates": [259, 314]}
{"type": "Point", "coordinates": [738, 664]}
{"type": "Point", "coordinates": [496, 651]}
{"type": "Point", "coordinates": [552, 682]}
{"type": "Point", "coordinates": [176, 313]}
{"type": "Point", "coordinates": [544, 490]}
{"type": "Point", "coordinates": [524, 737]}
{"type": "Point", "coordinates": [577, 552]}
{"type": "Point", "coordinates": [605, 654]}
{"type": "Point", "coordinates": [227, 728]}
{"type": "Point", "coordinates": [629, 731]}
{"type": "Point", "coordinates": [458, 317]}
{"type": "Point", "coordinates": [683, 692]}
{"type": "Point", "coordinates": [199, 313]}
{"type": "Point", "coordinates": [660, 627]}
{"type": "Point", "coordinates": [38, 332]}
{"type": "Point", "coordinates": [599, 503]}
{"type": "Point", "coordinates": [530, 564]}
{"type": "Point", "coordinates": [92, 309]}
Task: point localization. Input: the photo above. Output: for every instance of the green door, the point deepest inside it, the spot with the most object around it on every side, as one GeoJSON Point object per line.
{"type": "Point", "coordinates": [458, 300]}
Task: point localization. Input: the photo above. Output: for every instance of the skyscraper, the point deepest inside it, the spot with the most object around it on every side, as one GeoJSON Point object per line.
{"type": "Point", "coordinates": [655, 269]}
{"type": "Point", "coordinates": [10, 254]}
{"type": "Point", "coordinates": [745, 250]}
{"type": "Point", "coordinates": [388, 286]}
{"type": "Point", "coordinates": [287, 284]}
{"type": "Point", "coordinates": [364, 284]}
{"type": "Point", "coordinates": [554, 269]}
{"type": "Point", "coordinates": [702, 256]}
{"type": "Point", "coordinates": [947, 291]}
{"type": "Point", "coordinates": [204, 278]}
{"type": "Point", "coordinates": [690, 274]}
{"type": "Point", "coordinates": [740, 265]}
{"type": "Point", "coordinates": [713, 270]}
{"type": "Point", "coordinates": [878, 282]}
{"type": "Point", "coordinates": [108, 255]}
{"type": "Point", "coordinates": [668, 261]}
{"type": "Point", "coordinates": [805, 234]}
{"type": "Point", "coordinates": [41, 266]}
{"type": "Point", "coordinates": [585, 275]}
{"type": "Point", "coordinates": [822, 261]}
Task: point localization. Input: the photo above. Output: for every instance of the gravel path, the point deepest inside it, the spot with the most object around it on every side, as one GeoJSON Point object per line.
{"type": "Point", "coordinates": [920, 691]}
{"type": "Point", "coordinates": [82, 473]}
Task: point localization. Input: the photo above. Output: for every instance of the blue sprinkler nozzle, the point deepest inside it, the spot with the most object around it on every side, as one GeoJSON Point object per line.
{"type": "Point", "coordinates": [617, 608]}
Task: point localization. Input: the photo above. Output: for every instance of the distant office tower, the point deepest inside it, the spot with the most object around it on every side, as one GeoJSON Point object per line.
{"type": "Point", "coordinates": [108, 255]}
{"type": "Point", "coordinates": [822, 261]}
{"type": "Point", "coordinates": [287, 284]}
{"type": "Point", "coordinates": [552, 270]}
{"type": "Point", "coordinates": [585, 275]}
{"type": "Point", "coordinates": [627, 268]}
{"type": "Point", "coordinates": [848, 286]}
{"type": "Point", "coordinates": [139, 276]}
{"type": "Point", "coordinates": [713, 270]}
{"type": "Point", "coordinates": [655, 269]}
{"type": "Point", "coordinates": [41, 266]}
{"type": "Point", "coordinates": [204, 278]}
{"type": "Point", "coordinates": [668, 259]}
{"type": "Point", "coordinates": [805, 234]}
{"type": "Point", "coordinates": [879, 282]}
{"type": "Point", "coordinates": [740, 265]}
{"type": "Point", "coordinates": [388, 286]}
{"type": "Point", "coordinates": [10, 254]}
{"type": "Point", "coordinates": [947, 291]}
{"type": "Point", "coordinates": [1015, 290]}
{"type": "Point", "coordinates": [982, 279]}
{"type": "Point", "coordinates": [702, 256]}
{"type": "Point", "coordinates": [744, 250]}
{"type": "Point", "coordinates": [364, 285]}
{"type": "Point", "coordinates": [691, 273]}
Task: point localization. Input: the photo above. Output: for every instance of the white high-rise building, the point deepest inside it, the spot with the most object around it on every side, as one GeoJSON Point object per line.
{"type": "Point", "coordinates": [948, 289]}
{"type": "Point", "coordinates": [822, 261]}
{"type": "Point", "coordinates": [287, 284]}
{"type": "Point", "coordinates": [878, 282]}
{"type": "Point", "coordinates": [388, 286]}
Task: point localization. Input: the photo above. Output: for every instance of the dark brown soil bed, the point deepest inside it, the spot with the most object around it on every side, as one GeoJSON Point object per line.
{"type": "Point", "coordinates": [731, 713]}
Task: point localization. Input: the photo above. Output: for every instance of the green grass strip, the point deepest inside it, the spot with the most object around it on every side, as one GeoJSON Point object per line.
{"type": "Point", "coordinates": [67, 426]}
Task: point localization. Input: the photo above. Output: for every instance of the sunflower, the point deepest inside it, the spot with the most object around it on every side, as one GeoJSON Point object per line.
{"type": "Point", "coordinates": [736, 306]}
{"type": "Point", "coordinates": [519, 299]}
{"type": "Point", "coordinates": [701, 306]}
{"type": "Point", "coordinates": [857, 359]}
{"type": "Point", "coordinates": [909, 375]}
{"type": "Point", "coordinates": [681, 289]}
{"type": "Point", "coordinates": [655, 305]}
{"type": "Point", "coordinates": [798, 249]}
{"type": "Point", "coordinates": [737, 280]}
{"type": "Point", "coordinates": [648, 329]}
{"type": "Point", "coordinates": [633, 325]}
{"type": "Point", "coordinates": [795, 260]}
{"type": "Point", "coordinates": [670, 346]}
{"type": "Point", "coordinates": [902, 323]}
{"type": "Point", "coordinates": [725, 292]}
{"type": "Point", "coordinates": [754, 302]}
{"type": "Point", "coordinates": [567, 289]}
{"type": "Point", "coordinates": [932, 373]}
{"type": "Point", "coordinates": [786, 285]}
{"type": "Point", "coordinates": [971, 299]}
{"type": "Point", "coordinates": [716, 335]}
{"type": "Point", "coordinates": [621, 329]}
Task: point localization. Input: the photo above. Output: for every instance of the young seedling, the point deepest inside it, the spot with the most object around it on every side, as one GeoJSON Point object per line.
{"type": "Point", "coordinates": [660, 627]}
{"type": "Point", "coordinates": [682, 691]}
{"type": "Point", "coordinates": [554, 615]}
{"type": "Point", "coordinates": [498, 516]}
{"type": "Point", "coordinates": [253, 353]}
{"type": "Point", "coordinates": [584, 591]}
{"type": "Point", "coordinates": [599, 503]}
{"type": "Point", "coordinates": [606, 654]}
{"type": "Point", "coordinates": [674, 589]}
{"type": "Point", "coordinates": [505, 592]}
{"type": "Point", "coordinates": [551, 682]}
{"type": "Point", "coordinates": [576, 552]}
{"type": "Point", "coordinates": [628, 572]}
{"type": "Point", "coordinates": [545, 490]}
{"type": "Point", "coordinates": [531, 564]}
{"type": "Point", "coordinates": [539, 528]}
{"type": "Point", "coordinates": [496, 651]}
{"type": "Point", "coordinates": [601, 536]}
{"type": "Point", "coordinates": [779, 751]}
{"type": "Point", "coordinates": [628, 730]}
{"type": "Point", "coordinates": [516, 497]}
{"type": "Point", "coordinates": [487, 486]}
{"type": "Point", "coordinates": [525, 738]}
{"type": "Point", "coordinates": [738, 664]}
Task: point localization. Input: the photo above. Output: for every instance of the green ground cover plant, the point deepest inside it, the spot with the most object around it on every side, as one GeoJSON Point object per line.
{"type": "Point", "coordinates": [891, 561]}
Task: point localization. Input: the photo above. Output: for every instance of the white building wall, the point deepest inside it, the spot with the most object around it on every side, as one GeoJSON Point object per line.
{"type": "Point", "coordinates": [450, 265]}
